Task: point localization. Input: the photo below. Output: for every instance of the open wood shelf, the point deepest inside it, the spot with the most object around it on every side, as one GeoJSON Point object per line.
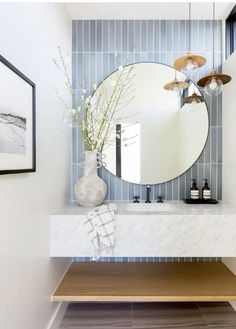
{"type": "Point", "coordinates": [146, 282]}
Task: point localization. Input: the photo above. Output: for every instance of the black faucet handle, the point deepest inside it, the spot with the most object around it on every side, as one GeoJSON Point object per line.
{"type": "Point", "coordinates": [136, 199]}
{"type": "Point", "coordinates": [160, 198]}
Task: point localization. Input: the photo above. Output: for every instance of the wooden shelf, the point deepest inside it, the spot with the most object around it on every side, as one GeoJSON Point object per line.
{"type": "Point", "coordinates": [147, 282]}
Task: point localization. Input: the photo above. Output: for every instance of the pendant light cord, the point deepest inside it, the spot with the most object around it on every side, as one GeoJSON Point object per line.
{"type": "Point", "coordinates": [213, 35]}
{"type": "Point", "coordinates": [189, 27]}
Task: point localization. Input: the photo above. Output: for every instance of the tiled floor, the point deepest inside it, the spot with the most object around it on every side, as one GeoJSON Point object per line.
{"type": "Point", "coordinates": [149, 316]}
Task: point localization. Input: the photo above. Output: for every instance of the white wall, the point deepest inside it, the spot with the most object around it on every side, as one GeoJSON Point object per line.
{"type": "Point", "coordinates": [229, 137]}
{"type": "Point", "coordinates": [29, 36]}
{"type": "Point", "coordinates": [229, 133]}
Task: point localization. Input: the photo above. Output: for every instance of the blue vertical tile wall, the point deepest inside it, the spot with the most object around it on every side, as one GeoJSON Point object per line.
{"type": "Point", "coordinates": [99, 46]}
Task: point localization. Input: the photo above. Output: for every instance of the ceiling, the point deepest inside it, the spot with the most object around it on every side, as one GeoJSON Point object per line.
{"type": "Point", "coordinates": [146, 10]}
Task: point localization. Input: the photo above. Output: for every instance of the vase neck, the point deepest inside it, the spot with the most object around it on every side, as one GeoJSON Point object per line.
{"type": "Point", "coordinates": [90, 163]}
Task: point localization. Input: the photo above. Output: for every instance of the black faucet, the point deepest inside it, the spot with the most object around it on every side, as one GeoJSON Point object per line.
{"type": "Point", "coordinates": [148, 194]}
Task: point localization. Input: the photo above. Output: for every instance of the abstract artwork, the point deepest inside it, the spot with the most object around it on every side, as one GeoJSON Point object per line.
{"type": "Point", "coordinates": [17, 120]}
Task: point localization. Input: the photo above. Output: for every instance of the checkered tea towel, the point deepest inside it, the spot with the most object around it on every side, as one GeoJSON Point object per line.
{"type": "Point", "coordinates": [100, 225]}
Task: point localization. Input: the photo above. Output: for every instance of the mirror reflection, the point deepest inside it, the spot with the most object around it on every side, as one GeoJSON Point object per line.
{"type": "Point", "coordinates": [163, 131]}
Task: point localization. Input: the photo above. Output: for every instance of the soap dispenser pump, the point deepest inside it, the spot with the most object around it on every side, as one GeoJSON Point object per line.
{"type": "Point", "coordinates": [194, 191]}
{"type": "Point", "coordinates": [206, 191]}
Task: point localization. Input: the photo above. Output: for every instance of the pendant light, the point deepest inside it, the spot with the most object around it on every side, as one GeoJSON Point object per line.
{"type": "Point", "coordinates": [213, 82]}
{"type": "Point", "coordinates": [189, 62]}
{"type": "Point", "coordinates": [176, 85]}
{"type": "Point", "coordinates": [194, 99]}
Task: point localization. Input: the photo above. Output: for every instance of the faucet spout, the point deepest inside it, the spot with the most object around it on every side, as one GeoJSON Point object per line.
{"type": "Point", "coordinates": [148, 194]}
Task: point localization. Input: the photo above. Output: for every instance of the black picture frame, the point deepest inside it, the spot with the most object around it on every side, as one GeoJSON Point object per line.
{"type": "Point", "coordinates": [32, 166]}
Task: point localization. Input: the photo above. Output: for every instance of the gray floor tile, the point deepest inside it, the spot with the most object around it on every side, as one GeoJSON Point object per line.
{"type": "Point", "coordinates": [183, 315]}
{"type": "Point", "coordinates": [97, 315]}
{"type": "Point", "coordinates": [218, 315]}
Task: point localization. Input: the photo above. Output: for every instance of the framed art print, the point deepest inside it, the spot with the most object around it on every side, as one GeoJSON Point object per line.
{"type": "Point", "coordinates": [17, 121]}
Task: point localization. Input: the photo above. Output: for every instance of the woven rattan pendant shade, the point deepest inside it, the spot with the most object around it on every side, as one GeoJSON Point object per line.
{"type": "Point", "coordinates": [175, 83]}
{"type": "Point", "coordinates": [181, 62]}
{"type": "Point", "coordinates": [197, 60]}
{"type": "Point", "coordinates": [192, 98]}
{"type": "Point", "coordinates": [221, 77]}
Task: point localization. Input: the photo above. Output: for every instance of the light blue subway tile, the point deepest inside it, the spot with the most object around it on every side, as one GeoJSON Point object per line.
{"type": "Point", "coordinates": [176, 189]}
{"type": "Point", "coordinates": [144, 35]}
{"type": "Point", "coordinates": [163, 190]}
{"type": "Point", "coordinates": [79, 43]}
{"type": "Point", "coordinates": [188, 183]}
{"type": "Point", "coordinates": [131, 35]}
{"type": "Point", "coordinates": [124, 36]}
{"type": "Point", "coordinates": [118, 35]}
{"type": "Point", "coordinates": [74, 76]}
{"type": "Point", "coordinates": [157, 58]}
{"type": "Point", "coordinates": [194, 171]}
{"type": "Point", "coordinates": [105, 39]}
{"type": "Point", "coordinates": [169, 191]}
{"type": "Point", "coordinates": [111, 36]}
{"type": "Point", "coordinates": [219, 150]}
{"type": "Point", "coordinates": [163, 35]}
{"type": "Point", "coordinates": [105, 61]}
{"type": "Point", "coordinates": [176, 36]}
{"type": "Point", "coordinates": [92, 35]}
{"type": "Point", "coordinates": [163, 57]}
{"type": "Point", "coordinates": [99, 67]}
{"type": "Point", "coordinates": [169, 59]}
{"type": "Point", "coordinates": [99, 39]}
{"type": "Point", "coordinates": [201, 176]}
{"type": "Point", "coordinates": [143, 192]}
{"type": "Point", "coordinates": [125, 190]}
{"type": "Point", "coordinates": [195, 46]}
{"type": "Point", "coordinates": [150, 35]}
{"type": "Point", "coordinates": [169, 35]}
{"type": "Point", "coordinates": [218, 43]}
{"type": "Point", "coordinates": [214, 181]}
{"type": "Point", "coordinates": [214, 111]}
{"type": "Point", "coordinates": [157, 35]}
{"type": "Point", "coordinates": [143, 57]}
{"type": "Point", "coordinates": [130, 192]}
{"type": "Point", "coordinates": [214, 140]}
{"type": "Point", "coordinates": [208, 35]}
{"type": "Point", "coordinates": [86, 36]}
{"type": "Point", "coordinates": [74, 35]}
{"type": "Point", "coordinates": [92, 70]}
{"type": "Point", "coordinates": [150, 57]}
{"type": "Point", "coordinates": [183, 37]}
{"type": "Point", "coordinates": [137, 35]}
{"type": "Point", "coordinates": [219, 182]}
{"type": "Point", "coordinates": [112, 187]}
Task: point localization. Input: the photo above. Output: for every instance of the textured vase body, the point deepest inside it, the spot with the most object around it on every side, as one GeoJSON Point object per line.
{"type": "Point", "coordinates": [90, 190]}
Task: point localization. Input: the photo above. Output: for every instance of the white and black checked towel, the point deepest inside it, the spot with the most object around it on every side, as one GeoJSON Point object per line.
{"type": "Point", "coordinates": [100, 225]}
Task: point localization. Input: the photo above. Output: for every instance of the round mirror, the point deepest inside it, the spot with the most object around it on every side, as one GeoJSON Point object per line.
{"type": "Point", "coordinates": [160, 134]}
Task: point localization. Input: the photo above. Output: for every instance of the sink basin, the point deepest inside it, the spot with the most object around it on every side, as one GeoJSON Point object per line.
{"type": "Point", "coordinates": [149, 207]}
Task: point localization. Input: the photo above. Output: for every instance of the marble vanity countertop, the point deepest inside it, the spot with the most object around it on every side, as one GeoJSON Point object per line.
{"type": "Point", "coordinates": [179, 208]}
{"type": "Point", "coordinates": [172, 229]}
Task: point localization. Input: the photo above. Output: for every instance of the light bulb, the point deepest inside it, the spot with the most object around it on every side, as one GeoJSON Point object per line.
{"type": "Point", "coordinates": [194, 102]}
{"type": "Point", "coordinates": [213, 86]}
{"type": "Point", "coordinates": [190, 65]}
{"type": "Point", "coordinates": [178, 90]}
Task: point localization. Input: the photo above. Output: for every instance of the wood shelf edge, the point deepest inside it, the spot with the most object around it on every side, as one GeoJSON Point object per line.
{"type": "Point", "coordinates": [146, 282]}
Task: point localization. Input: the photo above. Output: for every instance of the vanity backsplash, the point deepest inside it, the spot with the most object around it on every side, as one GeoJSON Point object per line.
{"type": "Point", "coordinates": [100, 46]}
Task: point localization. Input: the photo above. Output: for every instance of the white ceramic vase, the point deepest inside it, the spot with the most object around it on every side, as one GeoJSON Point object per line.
{"type": "Point", "coordinates": [90, 190]}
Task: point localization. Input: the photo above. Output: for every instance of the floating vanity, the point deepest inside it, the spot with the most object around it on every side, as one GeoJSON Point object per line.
{"type": "Point", "coordinates": [169, 229]}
